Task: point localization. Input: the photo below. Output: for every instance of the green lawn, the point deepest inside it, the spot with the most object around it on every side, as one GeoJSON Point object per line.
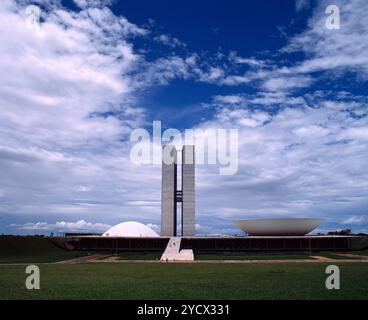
{"type": "Point", "coordinates": [185, 281]}
{"type": "Point", "coordinates": [32, 249]}
{"type": "Point", "coordinates": [335, 255]}
{"type": "Point", "coordinates": [361, 252]}
{"type": "Point", "coordinates": [251, 255]}
{"type": "Point", "coordinates": [140, 255]}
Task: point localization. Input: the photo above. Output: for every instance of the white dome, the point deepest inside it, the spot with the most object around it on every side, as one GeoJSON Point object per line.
{"type": "Point", "coordinates": [130, 229]}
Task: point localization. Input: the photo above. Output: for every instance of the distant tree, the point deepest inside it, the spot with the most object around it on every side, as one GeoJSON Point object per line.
{"type": "Point", "coordinates": [344, 232]}
{"type": "Point", "coordinates": [362, 234]}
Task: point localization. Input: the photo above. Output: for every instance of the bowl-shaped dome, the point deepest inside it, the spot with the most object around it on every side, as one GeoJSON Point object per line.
{"type": "Point", "coordinates": [278, 227]}
{"type": "Point", "coordinates": [130, 229]}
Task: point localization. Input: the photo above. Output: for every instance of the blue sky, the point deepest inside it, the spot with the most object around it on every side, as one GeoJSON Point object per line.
{"type": "Point", "coordinates": [75, 86]}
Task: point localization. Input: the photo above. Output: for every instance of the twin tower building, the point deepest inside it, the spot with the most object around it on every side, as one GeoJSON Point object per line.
{"type": "Point", "coordinates": [172, 194]}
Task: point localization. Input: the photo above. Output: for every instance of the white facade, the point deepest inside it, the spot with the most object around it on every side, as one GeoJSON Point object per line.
{"type": "Point", "coordinates": [174, 253]}
{"type": "Point", "coordinates": [278, 227]}
{"type": "Point", "coordinates": [131, 229]}
{"type": "Point", "coordinates": [188, 191]}
{"type": "Point", "coordinates": [168, 193]}
{"type": "Point", "coordinates": [171, 196]}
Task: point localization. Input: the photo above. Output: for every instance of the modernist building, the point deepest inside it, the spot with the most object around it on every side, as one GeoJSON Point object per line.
{"type": "Point", "coordinates": [262, 234]}
{"type": "Point", "coordinates": [131, 229]}
{"type": "Point", "coordinates": [171, 195]}
{"type": "Point", "coordinates": [278, 227]}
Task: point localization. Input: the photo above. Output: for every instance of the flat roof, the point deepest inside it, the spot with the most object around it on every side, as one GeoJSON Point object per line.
{"type": "Point", "coordinates": [223, 237]}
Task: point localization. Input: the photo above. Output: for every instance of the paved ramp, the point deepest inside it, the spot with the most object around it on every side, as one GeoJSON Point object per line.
{"type": "Point", "coordinates": [173, 252]}
{"type": "Point", "coordinates": [84, 259]}
{"type": "Point", "coordinates": [352, 255]}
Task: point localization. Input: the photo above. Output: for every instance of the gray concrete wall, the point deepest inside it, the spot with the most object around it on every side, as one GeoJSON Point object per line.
{"type": "Point", "coordinates": [168, 204]}
{"type": "Point", "coordinates": [188, 188]}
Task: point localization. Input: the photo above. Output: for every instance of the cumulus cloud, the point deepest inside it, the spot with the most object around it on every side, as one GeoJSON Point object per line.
{"type": "Point", "coordinates": [69, 99]}
{"type": "Point", "coordinates": [68, 65]}
{"type": "Point", "coordinates": [63, 226]}
{"type": "Point", "coordinates": [293, 162]}
{"type": "Point", "coordinates": [332, 50]}
{"type": "Point", "coordinates": [67, 108]}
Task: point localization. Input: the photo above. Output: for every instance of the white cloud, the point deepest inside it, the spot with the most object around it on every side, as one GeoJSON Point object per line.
{"type": "Point", "coordinates": [293, 162]}
{"type": "Point", "coordinates": [235, 80]}
{"type": "Point", "coordinates": [162, 71]}
{"type": "Point", "coordinates": [356, 220]}
{"type": "Point", "coordinates": [275, 98]}
{"type": "Point", "coordinates": [332, 50]}
{"type": "Point", "coordinates": [286, 83]}
{"type": "Point", "coordinates": [63, 65]}
{"type": "Point", "coordinates": [251, 61]}
{"type": "Point", "coordinates": [93, 3]}
{"type": "Point", "coordinates": [311, 131]}
{"type": "Point", "coordinates": [360, 133]}
{"type": "Point", "coordinates": [68, 103]}
{"type": "Point", "coordinates": [67, 108]}
{"type": "Point", "coordinates": [214, 74]}
{"type": "Point", "coordinates": [301, 4]}
{"type": "Point", "coordinates": [155, 227]}
{"type": "Point", "coordinates": [335, 52]}
{"type": "Point", "coordinates": [63, 226]}
{"type": "Point", "coordinates": [230, 99]}
{"type": "Point", "coordinates": [169, 41]}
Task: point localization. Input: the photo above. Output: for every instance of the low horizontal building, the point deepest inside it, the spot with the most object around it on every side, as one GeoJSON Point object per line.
{"type": "Point", "coordinates": [205, 244]}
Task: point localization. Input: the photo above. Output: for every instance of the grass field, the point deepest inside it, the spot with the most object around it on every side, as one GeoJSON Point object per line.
{"type": "Point", "coordinates": [252, 255]}
{"type": "Point", "coordinates": [361, 252]}
{"type": "Point", "coordinates": [239, 255]}
{"type": "Point", "coordinates": [140, 255]}
{"type": "Point", "coordinates": [185, 281]}
{"type": "Point", "coordinates": [171, 281]}
{"type": "Point", "coordinates": [273, 255]}
{"type": "Point", "coordinates": [14, 249]}
{"type": "Point", "coordinates": [219, 255]}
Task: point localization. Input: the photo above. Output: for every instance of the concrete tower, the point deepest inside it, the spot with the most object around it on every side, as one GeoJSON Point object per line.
{"type": "Point", "coordinates": [171, 195]}
{"type": "Point", "coordinates": [188, 191]}
{"type": "Point", "coordinates": [168, 193]}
